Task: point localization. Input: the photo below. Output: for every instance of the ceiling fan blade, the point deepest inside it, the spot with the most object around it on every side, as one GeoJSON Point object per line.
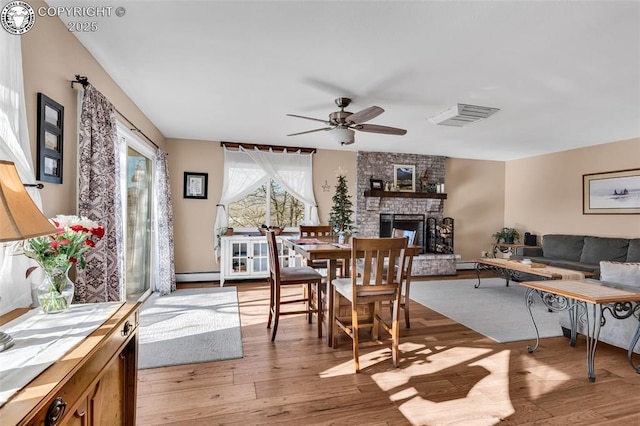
{"type": "Point", "coordinates": [311, 131]}
{"type": "Point", "coordinates": [374, 128]}
{"type": "Point", "coordinates": [365, 115]}
{"type": "Point", "coordinates": [309, 118]}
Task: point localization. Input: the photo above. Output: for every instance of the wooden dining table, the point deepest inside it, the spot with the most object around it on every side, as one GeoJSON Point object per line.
{"type": "Point", "coordinates": [328, 249]}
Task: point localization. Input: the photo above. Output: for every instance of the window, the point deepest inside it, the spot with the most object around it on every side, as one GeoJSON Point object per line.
{"type": "Point", "coordinates": [268, 204]}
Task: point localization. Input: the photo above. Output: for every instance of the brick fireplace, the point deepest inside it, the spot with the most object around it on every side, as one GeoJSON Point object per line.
{"type": "Point", "coordinates": [368, 210]}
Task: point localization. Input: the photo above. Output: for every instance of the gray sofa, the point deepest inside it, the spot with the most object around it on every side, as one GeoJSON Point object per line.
{"type": "Point", "coordinates": [581, 252]}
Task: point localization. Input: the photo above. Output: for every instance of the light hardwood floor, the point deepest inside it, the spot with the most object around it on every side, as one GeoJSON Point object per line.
{"type": "Point", "coordinates": [448, 374]}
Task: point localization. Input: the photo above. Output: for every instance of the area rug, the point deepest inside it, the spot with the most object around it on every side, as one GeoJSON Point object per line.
{"type": "Point", "coordinates": [190, 326]}
{"type": "Point", "coordinates": [495, 310]}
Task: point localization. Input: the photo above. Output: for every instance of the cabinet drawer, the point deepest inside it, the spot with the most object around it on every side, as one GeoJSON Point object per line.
{"type": "Point", "coordinates": [61, 406]}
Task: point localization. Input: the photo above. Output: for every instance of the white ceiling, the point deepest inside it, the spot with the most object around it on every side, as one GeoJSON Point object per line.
{"type": "Point", "coordinates": [565, 74]}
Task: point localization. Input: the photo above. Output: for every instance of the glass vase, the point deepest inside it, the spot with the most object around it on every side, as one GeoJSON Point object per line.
{"type": "Point", "coordinates": [55, 294]}
{"type": "Point", "coordinates": [340, 237]}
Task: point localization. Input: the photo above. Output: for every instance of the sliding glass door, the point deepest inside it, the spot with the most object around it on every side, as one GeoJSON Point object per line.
{"type": "Point", "coordinates": [138, 208]}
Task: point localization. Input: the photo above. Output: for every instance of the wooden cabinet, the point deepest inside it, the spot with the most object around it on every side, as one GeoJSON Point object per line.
{"type": "Point", "coordinates": [93, 384]}
{"type": "Point", "coordinates": [246, 257]}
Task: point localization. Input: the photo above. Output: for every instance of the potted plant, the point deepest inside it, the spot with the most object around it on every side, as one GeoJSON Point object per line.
{"type": "Point", "coordinates": [507, 235]}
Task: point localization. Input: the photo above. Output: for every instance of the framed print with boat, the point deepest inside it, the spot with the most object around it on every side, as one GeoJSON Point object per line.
{"type": "Point", "coordinates": [616, 192]}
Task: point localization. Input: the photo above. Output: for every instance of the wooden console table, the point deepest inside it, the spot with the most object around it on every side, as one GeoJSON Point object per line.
{"type": "Point", "coordinates": [93, 384]}
{"type": "Point", "coordinates": [577, 297]}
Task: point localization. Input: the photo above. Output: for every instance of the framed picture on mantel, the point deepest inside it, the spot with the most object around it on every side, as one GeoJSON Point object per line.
{"type": "Point", "coordinates": [404, 177]}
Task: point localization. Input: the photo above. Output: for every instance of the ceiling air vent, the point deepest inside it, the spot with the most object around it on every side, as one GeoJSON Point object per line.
{"type": "Point", "coordinates": [462, 114]}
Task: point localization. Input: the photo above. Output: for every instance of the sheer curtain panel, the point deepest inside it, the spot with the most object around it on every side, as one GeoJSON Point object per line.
{"type": "Point", "coordinates": [245, 170]}
{"type": "Point", "coordinates": [15, 288]}
{"type": "Point", "coordinates": [165, 255]}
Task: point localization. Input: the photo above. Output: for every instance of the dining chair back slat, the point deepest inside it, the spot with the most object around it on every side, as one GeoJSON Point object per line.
{"type": "Point", "coordinates": [311, 231]}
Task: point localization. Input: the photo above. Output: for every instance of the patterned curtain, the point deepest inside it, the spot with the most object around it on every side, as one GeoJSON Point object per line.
{"type": "Point", "coordinates": [99, 200]}
{"type": "Point", "coordinates": [166, 266]}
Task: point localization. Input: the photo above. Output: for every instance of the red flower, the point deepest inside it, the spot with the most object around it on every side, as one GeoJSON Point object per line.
{"type": "Point", "coordinates": [90, 243]}
{"type": "Point", "coordinates": [73, 260]}
{"type": "Point", "coordinates": [56, 244]}
{"type": "Point", "coordinates": [98, 231]}
{"type": "Point", "coordinates": [77, 228]}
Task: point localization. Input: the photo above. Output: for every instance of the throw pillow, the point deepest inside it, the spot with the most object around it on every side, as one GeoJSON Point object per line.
{"type": "Point", "coordinates": [620, 273]}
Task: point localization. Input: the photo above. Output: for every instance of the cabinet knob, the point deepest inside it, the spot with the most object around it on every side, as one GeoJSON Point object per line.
{"type": "Point", "coordinates": [126, 329]}
{"type": "Point", "coordinates": [55, 412]}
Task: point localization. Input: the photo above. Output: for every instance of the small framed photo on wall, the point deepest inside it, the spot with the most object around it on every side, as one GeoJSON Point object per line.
{"type": "Point", "coordinates": [195, 185]}
{"type": "Point", "coordinates": [50, 140]}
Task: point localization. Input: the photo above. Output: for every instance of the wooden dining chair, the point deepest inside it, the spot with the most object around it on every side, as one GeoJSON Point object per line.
{"type": "Point", "coordinates": [320, 231]}
{"type": "Point", "coordinates": [279, 277]}
{"type": "Point", "coordinates": [313, 231]}
{"type": "Point", "coordinates": [370, 288]}
{"type": "Point", "coordinates": [406, 274]}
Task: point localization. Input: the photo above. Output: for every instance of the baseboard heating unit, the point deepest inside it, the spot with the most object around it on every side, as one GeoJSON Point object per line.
{"type": "Point", "coordinates": [195, 277]}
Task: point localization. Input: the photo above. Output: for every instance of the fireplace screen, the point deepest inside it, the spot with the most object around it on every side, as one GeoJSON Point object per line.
{"type": "Point", "coordinates": [408, 222]}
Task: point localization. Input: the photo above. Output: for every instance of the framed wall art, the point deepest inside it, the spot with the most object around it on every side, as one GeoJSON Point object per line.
{"type": "Point", "coordinates": [404, 177]}
{"type": "Point", "coordinates": [615, 192]}
{"type": "Point", "coordinates": [195, 185]}
{"type": "Point", "coordinates": [50, 140]}
{"type": "Point", "coordinates": [376, 183]}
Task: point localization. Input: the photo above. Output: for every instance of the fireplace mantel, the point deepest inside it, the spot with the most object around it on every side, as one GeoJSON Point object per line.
{"type": "Point", "coordinates": [403, 194]}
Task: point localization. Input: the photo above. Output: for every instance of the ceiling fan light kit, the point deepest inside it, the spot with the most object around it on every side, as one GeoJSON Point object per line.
{"type": "Point", "coordinates": [343, 124]}
{"type": "Point", "coordinates": [343, 136]}
{"type": "Point", "coordinates": [462, 114]}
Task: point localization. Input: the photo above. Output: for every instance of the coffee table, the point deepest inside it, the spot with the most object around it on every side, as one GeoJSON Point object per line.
{"type": "Point", "coordinates": [515, 270]}
{"type": "Point", "coordinates": [577, 297]}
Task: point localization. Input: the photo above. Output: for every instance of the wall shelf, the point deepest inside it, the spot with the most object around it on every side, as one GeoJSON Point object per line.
{"type": "Point", "coordinates": [403, 194]}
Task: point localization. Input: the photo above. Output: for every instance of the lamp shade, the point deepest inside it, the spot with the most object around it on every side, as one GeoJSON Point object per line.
{"type": "Point", "coordinates": [20, 218]}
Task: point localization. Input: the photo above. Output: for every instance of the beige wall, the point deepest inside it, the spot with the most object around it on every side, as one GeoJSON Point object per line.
{"type": "Point", "coordinates": [51, 57]}
{"type": "Point", "coordinates": [475, 200]}
{"type": "Point", "coordinates": [544, 194]}
{"type": "Point", "coordinates": [194, 220]}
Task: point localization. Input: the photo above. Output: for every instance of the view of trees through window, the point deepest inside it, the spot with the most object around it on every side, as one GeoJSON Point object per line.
{"type": "Point", "coordinates": [269, 204]}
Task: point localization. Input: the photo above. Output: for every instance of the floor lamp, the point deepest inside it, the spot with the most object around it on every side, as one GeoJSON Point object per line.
{"type": "Point", "coordinates": [20, 218]}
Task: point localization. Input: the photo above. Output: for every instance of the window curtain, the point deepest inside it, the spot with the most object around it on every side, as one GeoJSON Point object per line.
{"type": "Point", "coordinates": [15, 288]}
{"type": "Point", "coordinates": [100, 200]}
{"type": "Point", "coordinates": [164, 252]}
{"type": "Point", "coordinates": [245, 170]}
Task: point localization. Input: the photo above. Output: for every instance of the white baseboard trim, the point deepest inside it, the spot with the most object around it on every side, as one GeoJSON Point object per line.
{"type": "Point", "coordinates": [194, 277]}
{"type": "Point", "coordinates": [465, 265]}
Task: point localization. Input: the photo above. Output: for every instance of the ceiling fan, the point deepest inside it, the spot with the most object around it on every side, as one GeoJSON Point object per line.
{"type": "Point", "coordinates": [344, 123]}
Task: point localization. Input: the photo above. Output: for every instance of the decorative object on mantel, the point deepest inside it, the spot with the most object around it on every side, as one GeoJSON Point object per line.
{"type": "Point", "coordinates": [404, 177]}
{"type": "Point", "coordinates": [375, 183]}
{"type": "Point", "coordinates": [19, 216]}
{"type": "Point", "coordinates": [56, 253]}
{"type": "Point", "coordinates": [342, 210]}
{"type": "Point", "coordinates": [424, 181]}
{"type": "Point", "coordinates": [403, 194]}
